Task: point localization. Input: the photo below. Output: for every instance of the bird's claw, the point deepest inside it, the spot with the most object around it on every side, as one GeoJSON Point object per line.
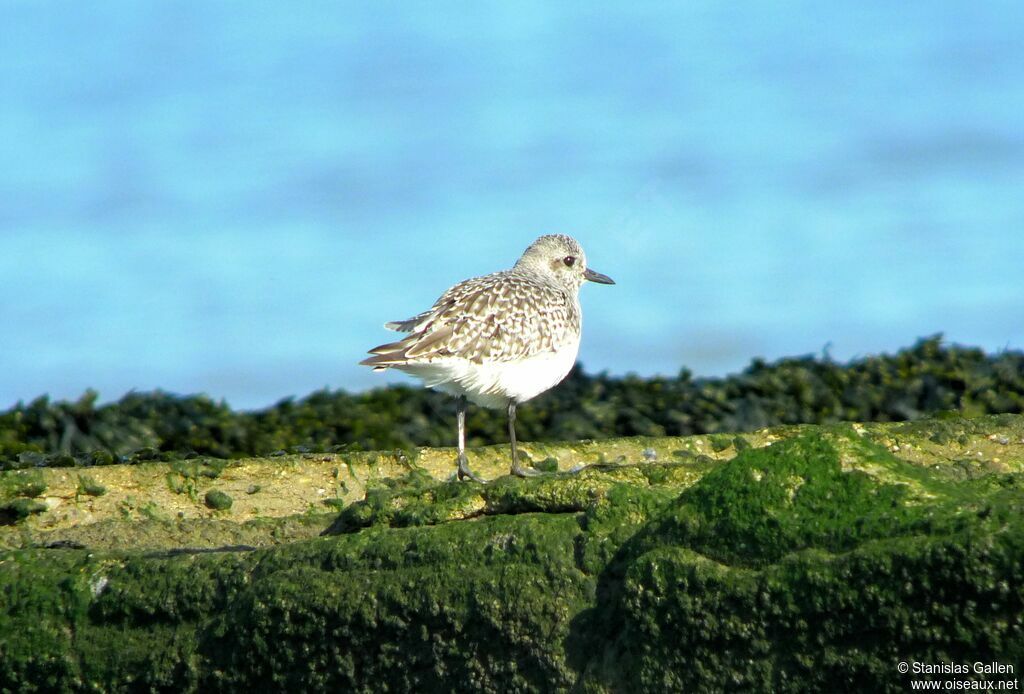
{"type": "Point", "coordinates": [465, 473]}
{"type": "Point", "coordinates": [520, 471]}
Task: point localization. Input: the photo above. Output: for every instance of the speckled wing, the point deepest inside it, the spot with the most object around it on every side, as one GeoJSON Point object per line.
{"type": "Point", "coordinates": [501, 317]}
{"type": "Point", "coordinates": [409, 325]}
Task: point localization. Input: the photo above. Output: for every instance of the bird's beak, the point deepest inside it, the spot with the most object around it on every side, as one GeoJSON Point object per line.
{"type": "Point", "coordinates": [589, 274]}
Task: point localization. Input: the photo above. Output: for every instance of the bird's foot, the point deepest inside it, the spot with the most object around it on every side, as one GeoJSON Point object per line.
{"type": "Point", "coordinates": [520, 471]}
{"type": "Point", "coordinates": [464, 472]}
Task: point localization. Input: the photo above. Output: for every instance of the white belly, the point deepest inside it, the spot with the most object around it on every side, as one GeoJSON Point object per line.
{"type": "Point", "coordinates": [494, 384]}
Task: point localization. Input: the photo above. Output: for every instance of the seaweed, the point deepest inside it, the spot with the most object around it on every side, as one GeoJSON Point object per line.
{"type": "Point", "coordinates": [927, 378]}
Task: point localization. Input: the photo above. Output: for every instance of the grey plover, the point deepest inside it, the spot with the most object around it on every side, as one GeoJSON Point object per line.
{"type": "Point", "coordinates": [501, 339]}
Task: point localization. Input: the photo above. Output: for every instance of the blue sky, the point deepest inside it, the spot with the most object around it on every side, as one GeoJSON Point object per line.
{"type": "Point", "coordinates": [232, 198]}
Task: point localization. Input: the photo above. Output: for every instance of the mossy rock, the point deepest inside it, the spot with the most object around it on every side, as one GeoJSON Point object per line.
{"type": "Point", "coordinates": [19, 509]}
{"type": "Point", "coordinates": [788, 570]}
{"type": "Point", "coordinates": [817, 563]}
{"type": "Point", "coordinates": [218, 500]}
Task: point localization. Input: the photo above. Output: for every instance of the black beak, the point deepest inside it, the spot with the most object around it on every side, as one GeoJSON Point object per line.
{"type": "Point", "coordinates": [597, 277]}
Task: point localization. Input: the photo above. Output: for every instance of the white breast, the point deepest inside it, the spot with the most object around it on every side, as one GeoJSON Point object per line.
{"type": "Point", "coordinates": [493, 384]}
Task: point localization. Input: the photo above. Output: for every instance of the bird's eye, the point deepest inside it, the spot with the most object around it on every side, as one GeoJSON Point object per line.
{"type": "Point", "coordinates": [569, 260]}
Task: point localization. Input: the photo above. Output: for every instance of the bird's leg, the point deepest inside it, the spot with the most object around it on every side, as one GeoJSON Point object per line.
{"type": "Point", "coordinates": [517, 469]}
{"type": "Point", "coordinates": [460, 416]}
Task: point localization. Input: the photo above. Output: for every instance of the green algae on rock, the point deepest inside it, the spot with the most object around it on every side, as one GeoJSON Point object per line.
{"type": "Point", "coordinates": [813, 558]}
{"type": "Point", "coordinates": [218, 500]}
{"type": "Point", "coordinates": [781, 570]}
{"type": "Point", "coordinates": [19, 509]}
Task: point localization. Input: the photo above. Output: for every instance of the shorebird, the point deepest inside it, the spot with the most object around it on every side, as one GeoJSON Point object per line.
{"type": "Point", "coordinates": [500, 339]}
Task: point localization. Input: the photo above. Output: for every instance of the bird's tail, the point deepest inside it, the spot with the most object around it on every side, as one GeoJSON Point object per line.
{"type": "Point", "coordinates": [387, 355]}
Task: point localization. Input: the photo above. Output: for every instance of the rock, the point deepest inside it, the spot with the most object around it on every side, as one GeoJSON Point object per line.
{"type": "Point", "coordinates": [218, 500]}
{"type": "Point", "coordinates": [817, 562]}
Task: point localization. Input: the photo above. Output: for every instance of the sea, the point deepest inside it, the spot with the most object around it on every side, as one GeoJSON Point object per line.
{"type": "Point", "coordinates": [231, 198]}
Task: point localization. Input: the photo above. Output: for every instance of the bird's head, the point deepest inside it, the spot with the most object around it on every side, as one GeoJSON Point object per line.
{"type": "Point", "coordinates": [561, 258]}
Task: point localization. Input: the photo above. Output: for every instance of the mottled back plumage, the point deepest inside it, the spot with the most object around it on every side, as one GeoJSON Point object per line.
{"type": "Point", "coordinates": [504, 316]}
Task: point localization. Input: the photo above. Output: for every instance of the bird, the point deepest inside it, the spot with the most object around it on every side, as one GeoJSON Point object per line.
{"type": "Point", "coordinates": [498, 340]}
